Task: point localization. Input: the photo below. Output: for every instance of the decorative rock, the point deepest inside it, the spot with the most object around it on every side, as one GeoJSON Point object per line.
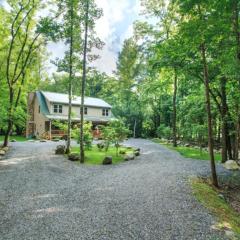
{"type": "Point", "coordinates": [137, 153]}
{"type": "Point", "coordinates": [107, 160]}
{"type": "Point", "coordinates": [5, 149]}
{"type": "Point", "coordinates": [73, 157]}
{"type": "Point", "coordinates": [2, 153]}
{"type": "Point", "coordinates": [187, 145]}
{"type": "Point", "coordinates": [230, 234]}
{"type": "Point", "coordinates": [129, 157]}
{"type": "Point", "coordinates": [231, 165]}
{"type": "Point", "coordinates": [60, 150]}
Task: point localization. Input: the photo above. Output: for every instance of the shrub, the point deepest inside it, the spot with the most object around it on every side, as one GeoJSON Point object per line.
{"type": "Point", "coordinates": [164, 132]}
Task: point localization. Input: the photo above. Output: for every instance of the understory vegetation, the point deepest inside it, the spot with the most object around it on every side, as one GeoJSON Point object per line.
{"type": "Point", "coordinates": [14, 138]}
{"type": "Point", "coordinates": [214, 200]}
{"type": "Point", "coordinates": [189, 151]}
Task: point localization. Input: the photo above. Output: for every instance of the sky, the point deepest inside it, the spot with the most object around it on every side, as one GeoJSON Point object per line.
{"type": "Point", "coordinates": [113, 28]}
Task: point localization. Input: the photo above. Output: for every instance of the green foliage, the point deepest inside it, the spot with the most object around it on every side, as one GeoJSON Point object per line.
{"type": "Point", "coordinates": [87, 127]}
{"type": "Point", "coordinates": [17, 138]}
{"type": "Point", "coordinates": [164, 132]}
{"type": "Point", "coordinates": [95, 157]}
{"type": "Point", "coordinates": [114, 133]}
{"type": "Point", "coordinates": [107, 134]}
{"type": "Point", "coordinates": [120, 133]}
{"type": "Point", "coordinates": [21, 53]}
{"type": "Point", "coordinates": [87, 135]}
{"type": "Point", "coordinates": [189, 152]}
{"type": "Point", "coordinates": [227, 217]}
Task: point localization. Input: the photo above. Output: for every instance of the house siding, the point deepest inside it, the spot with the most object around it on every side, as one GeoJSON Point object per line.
{"type": "Point", "coordinates": [92, 111]}
{"type": "Point", "coordinates": [39, 120]}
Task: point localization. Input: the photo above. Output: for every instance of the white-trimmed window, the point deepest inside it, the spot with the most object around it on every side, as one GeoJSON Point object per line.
{"type": "Point", "coordinates": [57, 108]}
{"type": "Point", "coordinates": [105, 112]}
{"type": "Point", "coordinates": [85, 110]}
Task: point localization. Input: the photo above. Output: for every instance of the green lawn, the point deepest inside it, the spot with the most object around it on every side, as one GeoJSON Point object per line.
{"type": "Point", "coordinates": [17, 138]}
{"type": "Point", "coordinates": [228, 218]}
{"type": "Point", "coordinates": [95, 157]}
{"type": "Point", "coordinates": [189, 152]}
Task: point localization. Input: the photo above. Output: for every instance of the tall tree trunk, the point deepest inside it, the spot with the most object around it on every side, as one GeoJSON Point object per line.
{"type": "Point", "coordinates": [68, 149]}
{"type": "Point", "coordinates": [224, 119]}
{"type": "Point", "coordinates": [10, 118]}
{"type": "Point", "coordinates": [237, 35]}
{"type": "Point", "coordinates": [208, 108]}
{"type": "Point", "coordinates": [82, 155]}
{"type": "Point", "coordinates": [229, 145]}
{"type": "Point", "coordinates": [134, 128]}
{"type": "Point", "coordinates": [175, 109]}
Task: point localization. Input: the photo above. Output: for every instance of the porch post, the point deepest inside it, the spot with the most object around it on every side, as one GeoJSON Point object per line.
{"type": "Point", "coordinates": [50, 130]}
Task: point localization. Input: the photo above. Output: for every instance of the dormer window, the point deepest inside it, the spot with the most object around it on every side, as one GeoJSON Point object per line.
{"type": "Point", "coordinates": [105, 112]}
{"type": "Point", "coordinates": [57, 108]}
{"type": "Point", "coordinates": [85, 110]}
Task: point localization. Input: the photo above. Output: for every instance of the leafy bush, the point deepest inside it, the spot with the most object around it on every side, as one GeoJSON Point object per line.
{"type": "Point", "coordinates": [87, 135]}
{"type": "Point", "coordinates": [164, 132]}
{"type": "Point", "coordinates": [87, 131]}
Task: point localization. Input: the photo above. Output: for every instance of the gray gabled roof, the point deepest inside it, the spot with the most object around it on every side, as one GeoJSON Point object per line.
{"type": "Point", "coordinates": [63, 98]}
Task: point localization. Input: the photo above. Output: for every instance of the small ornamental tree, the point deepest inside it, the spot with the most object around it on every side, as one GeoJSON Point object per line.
{"type": "Point", "coordinates": [108, 135]}
{"type": "Point", "coordinates": [87, 136]}
{"type": "Point", "coordinates": [120, 133]}
{"type": "Point", "coordinates": [114, 133]}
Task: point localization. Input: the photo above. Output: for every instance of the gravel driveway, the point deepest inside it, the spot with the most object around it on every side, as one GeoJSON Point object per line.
{"type": "Point", "coordinates": [43, 196]}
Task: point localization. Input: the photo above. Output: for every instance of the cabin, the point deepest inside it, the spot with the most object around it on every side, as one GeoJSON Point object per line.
{"type": "Point", "coordinates": [46, 107]}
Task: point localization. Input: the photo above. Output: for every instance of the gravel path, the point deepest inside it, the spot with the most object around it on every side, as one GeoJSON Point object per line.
{"type": "Point", "coordinates": [43, 196]}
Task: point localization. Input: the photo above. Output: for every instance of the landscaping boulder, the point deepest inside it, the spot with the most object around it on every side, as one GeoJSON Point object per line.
{"type": "Point", "coordinates": [74, 157]}
{"type": "Point", "coordinates": [2, 153]}
{"type": "Point", "coordinates": [137, 153]}
{"type": "Point", "coordinates": [60, 150]}
{"type": "Point", "coordinates": [231, 165]}
{"type": "Point", "coordinates": [129, 157]}
{"type": "Point", "coordinates": [5, 149]}
{"type": "Point", "coordinates": [107, 160]}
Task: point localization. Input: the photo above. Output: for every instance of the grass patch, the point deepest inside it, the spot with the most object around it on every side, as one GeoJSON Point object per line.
{"type": "Point", "coordinates": [17, 138]}
{"type": "Point", "coordinates": [189, 152]}
{"type": "Point", "coordinates": [228, 218]}
{"type": "Point", "coordinates": [95, 157]}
